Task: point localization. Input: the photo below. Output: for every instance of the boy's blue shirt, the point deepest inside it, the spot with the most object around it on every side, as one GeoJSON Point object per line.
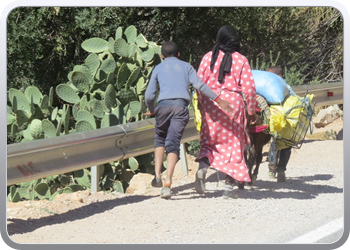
{"type": "Point", "coordinates": [172, 78]}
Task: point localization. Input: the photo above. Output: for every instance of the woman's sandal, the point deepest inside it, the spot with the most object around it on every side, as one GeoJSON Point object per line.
{"type": "Point", "coordinates": [199, 183]}
{"type": "Point", "coordinates": [229, 195]}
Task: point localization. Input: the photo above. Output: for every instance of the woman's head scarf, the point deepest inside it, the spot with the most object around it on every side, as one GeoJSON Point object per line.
{"type": "Point", "coordinates": [228, 41]}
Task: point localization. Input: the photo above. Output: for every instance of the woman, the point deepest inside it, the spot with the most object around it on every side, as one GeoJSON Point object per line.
{"type": "Point", "coordinates": [223, 136]}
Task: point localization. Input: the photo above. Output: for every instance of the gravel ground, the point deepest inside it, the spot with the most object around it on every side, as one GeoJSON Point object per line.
{"type": "Point", "coordinates": [270, 212]}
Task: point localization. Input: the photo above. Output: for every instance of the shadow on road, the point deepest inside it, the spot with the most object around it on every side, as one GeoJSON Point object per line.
{"type": "Point", "coordinates": [294, 188]}
{"type": "Point", "coordinates": [19, 226]}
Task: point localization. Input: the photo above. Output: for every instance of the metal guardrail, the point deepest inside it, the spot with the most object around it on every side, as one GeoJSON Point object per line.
{"type": "Point", "coordinates": [42, 158]}
{"type": "Point", "coordinates": [325, 94]}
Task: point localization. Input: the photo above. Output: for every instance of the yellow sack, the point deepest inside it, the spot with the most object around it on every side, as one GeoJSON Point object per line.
{"type": "Point", "coordinates": [290, 120]}
{"type": "Point", "coordinates": [197, 112]}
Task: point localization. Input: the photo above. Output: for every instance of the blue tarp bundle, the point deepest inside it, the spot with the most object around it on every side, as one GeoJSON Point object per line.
{"type": "Point", "coordinates": [270, 86]}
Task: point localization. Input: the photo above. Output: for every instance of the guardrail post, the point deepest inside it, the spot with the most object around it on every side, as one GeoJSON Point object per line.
{"type": "Point", "coordinates": [183, 159]}
{"type": "Point", "coordinates": [95, 174]}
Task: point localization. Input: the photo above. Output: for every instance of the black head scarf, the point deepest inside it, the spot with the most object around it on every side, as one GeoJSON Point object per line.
{"type": "Point", "coordinates": [228, 41]}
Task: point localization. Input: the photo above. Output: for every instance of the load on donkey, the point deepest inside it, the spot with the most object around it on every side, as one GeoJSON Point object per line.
{"type": "Point", "coordinates": [281, 115]}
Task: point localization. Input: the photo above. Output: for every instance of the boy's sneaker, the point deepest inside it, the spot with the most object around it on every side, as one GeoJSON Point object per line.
{"type": "Point", "coordinates": [156, 182]}
{"type": "Point", "coordinates": [165, 193]}
{"type": "Point", "coordinates": [272, 175]}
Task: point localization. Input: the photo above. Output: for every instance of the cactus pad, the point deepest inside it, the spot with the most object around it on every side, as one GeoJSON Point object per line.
{"type": "Point", "coordinates": [131, 33]}
{"type": "Point", "coordinates": [48, 128]}
{"type": "Point", "coordinates": [36, 130]}
{"type": "Point", "coordinates": [126, 96]}
{"type": "Point", "coordinates": [33, 92]}
{"type": "Point", "coordinates": [97, 109]}
{"type": "Point", "coordinates": [82, 126]}
{"type": "Point", "coordinates": [132, 109]}
{"type": "Point", "coordinates": [141, 41]}
{"type": "Point", "coordinates": [93, 63]}
{"type": "Point", "coordinates": [109, 120]}
{"type": "Point", "coordinates": [45, 104]}
{"type": "Point", "coordinates": [132, 50]}
{"type": "Point", "coordinates": [67, 93]}
{"type": "Point", "coordinates": [108, 65]}
{"type": "Point", "coordinates": [19, 101]}
{"type": "Point", "coordinates": [133, 164]}
{"type": "Point", "coordinates": [81, 81]}
{"type": "Point", "coordinates": [82, 177]}
{"type": "Point", "coordinates": [111, 45]}
{"type": "Point", "coordinates": [10, 119]}
{"type": "Point", "coordinates": [133, 77]}
{"type": "Point", "coordinates": [119, 33]}
{"type": "Point", "coordinates": [121, 47]}
{"type": "Point", "coordinates": [110, 97]}
{"type": "Point", "coordinates": [147, 54]}
{"type": "Point", "coordinates": [123, 75]}
{"type": "Point", "coordinates": [83, 115]}
{"type": "Point", "coordinates": [95, 45]}
{"type": "Point", "coordinates": [43, 190]}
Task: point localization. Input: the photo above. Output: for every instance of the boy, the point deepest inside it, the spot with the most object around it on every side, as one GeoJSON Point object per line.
{"type": "Point", "coordinates": [278, 159]}
{"type": "Point", "coordinates": [172, 77]}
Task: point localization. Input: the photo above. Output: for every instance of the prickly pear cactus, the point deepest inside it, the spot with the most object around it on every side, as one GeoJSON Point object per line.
{"type": "Point", "coordinates": [117, 69]}
{"type": "Point", "coordinates": [106, 90]}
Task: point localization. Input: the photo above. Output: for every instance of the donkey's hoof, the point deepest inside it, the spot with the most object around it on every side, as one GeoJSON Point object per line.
{"type": "Point", "coordinates": [254, 177]}
{"type": "Point", "coordinates": [241, 185]}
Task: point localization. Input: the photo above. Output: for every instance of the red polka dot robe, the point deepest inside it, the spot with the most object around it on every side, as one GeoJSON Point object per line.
{"type": "Point", "coordinates": [223, 136]}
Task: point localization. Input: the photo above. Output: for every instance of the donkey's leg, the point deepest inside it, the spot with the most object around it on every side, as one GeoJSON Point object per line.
{"type": "Point", "coordinates": [258, 160]}
{"type": "Point", "coordinates": [250, 155]}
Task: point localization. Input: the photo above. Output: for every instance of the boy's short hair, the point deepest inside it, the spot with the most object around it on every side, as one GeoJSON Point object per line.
{"type": "Point", "coordinates": [169, 49]}
{"type": "Point", "coordinates": [277, 70]}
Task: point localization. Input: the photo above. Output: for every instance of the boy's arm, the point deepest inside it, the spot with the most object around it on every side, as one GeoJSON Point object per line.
{"type": "Point", "coordinates": [199, 85]}
{"type": "Point", "coordinates": [151, 93]}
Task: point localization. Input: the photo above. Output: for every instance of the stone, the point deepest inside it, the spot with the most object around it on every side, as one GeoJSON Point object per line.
{"type": "Point", "coordinates": [140, 184]}
{"type": "Point", "coordinates": [327, 116]}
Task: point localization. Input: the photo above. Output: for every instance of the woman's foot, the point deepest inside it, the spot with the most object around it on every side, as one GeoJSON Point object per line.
{"type": "Point", "coordinates": [199, 183]}
{"type": "Point", "coordinates": [228, 188]}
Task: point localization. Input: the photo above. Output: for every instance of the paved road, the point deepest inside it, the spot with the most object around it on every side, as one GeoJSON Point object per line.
{"type": "Point", "coordinates": [269, 213]}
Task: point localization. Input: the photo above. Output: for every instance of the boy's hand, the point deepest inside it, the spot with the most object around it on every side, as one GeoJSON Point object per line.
{"type": "Point", "coordinates": [225, 105]}
{"type": "Point", "coordinates": [251, 119]}
{"type": "Point", "coordinates": [148, 113]}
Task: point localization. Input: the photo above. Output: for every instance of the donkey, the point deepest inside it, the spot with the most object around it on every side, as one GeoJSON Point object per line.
{"type": "Point", "coordinates": [259, 136]}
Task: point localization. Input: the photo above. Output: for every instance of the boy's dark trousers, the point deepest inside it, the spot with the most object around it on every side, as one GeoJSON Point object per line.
{"type": "Point", "coordinates": [278, 159]}
{"type": "Point", "coordinates": [170, 125]}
